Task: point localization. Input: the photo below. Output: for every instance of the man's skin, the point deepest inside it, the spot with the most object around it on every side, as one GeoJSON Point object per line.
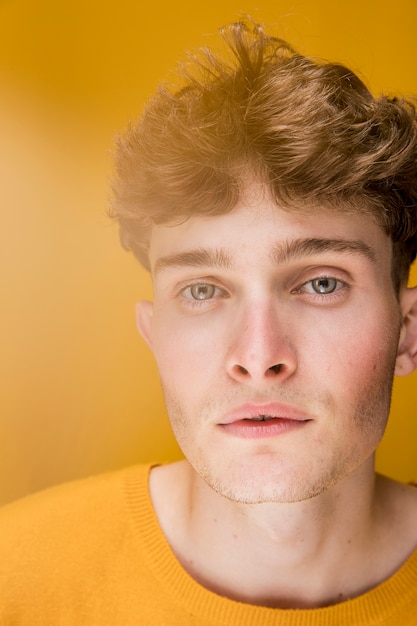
{"type": "Point", "coordinates": [290, 315]}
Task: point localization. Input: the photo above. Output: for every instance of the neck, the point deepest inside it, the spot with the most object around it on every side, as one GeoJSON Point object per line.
{"type": "Point", "coordinates": [302, 555]}
{"type": "Point", "coordinates": [276, 550]}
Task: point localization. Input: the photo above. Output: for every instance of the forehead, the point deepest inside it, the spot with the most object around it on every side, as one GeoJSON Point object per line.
{"type": "Point", "coordinates": [260, 229]}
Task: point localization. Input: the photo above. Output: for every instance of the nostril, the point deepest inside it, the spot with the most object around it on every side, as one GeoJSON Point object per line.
{"type": "Point", "coordinates": [274, 369]}
{"type": "Point", "coordinates": [241, 370]}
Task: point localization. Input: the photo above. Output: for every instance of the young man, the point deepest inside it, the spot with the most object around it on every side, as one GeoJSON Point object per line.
{"type": "Point", "coordinates": [274, 201]}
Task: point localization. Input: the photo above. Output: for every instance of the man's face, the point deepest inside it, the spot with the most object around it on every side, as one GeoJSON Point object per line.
{"type": "Point", "coordinates": [276, 335]}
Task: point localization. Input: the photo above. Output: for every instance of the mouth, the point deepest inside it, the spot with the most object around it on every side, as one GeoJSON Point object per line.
{"type": "Point", "coordinates": [260, 418]}
{"type": "Point", "coordinates": [253, 412]}
{"type": "Point", "coordinates": [270, 420]}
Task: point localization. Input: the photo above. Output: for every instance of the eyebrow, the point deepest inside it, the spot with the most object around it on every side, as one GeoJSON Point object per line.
{"type": "Point", "coordinates": [281, 253]}
{"type": "Point", "coordinates": [209, 257]}
{"type": "Point", "coordinates": [298, 248]}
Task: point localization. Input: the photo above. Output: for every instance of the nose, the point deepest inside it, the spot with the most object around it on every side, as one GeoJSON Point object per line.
{"type": "Point", "coordinates": [261, 347]}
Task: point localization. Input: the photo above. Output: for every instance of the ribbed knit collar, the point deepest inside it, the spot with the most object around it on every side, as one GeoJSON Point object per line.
{"type": "Point", "coordinates": [372, 608]}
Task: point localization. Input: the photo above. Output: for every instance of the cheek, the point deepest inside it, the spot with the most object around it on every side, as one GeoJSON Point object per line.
{"type": "Point", "coordinates": [186, 352]}
{"type": "Point", "coordinates": [373, 351]}
{"type": "Point", "coordinates": [354, 354]}
{"type": "Point", "coordinates": [362, 371]}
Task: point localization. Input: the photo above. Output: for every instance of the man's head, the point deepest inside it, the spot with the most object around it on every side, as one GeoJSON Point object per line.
{"type": "Point", "coordinates": [310, 131]}
{"type": "Point", "coordinates": [274, 201]}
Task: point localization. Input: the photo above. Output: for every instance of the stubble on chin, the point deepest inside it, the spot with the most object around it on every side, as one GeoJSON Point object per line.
{"type": "Point", "coordinates": [264, 477]}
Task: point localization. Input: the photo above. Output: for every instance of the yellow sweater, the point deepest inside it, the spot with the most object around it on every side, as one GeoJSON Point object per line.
{"type": "Point", "coordinates": [91, 552]}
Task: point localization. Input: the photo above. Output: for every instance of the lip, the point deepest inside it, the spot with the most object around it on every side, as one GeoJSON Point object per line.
{"type": "Point", "coordinates": [242, 422]}
{"type": "Point", "coordinates": [251, 410]}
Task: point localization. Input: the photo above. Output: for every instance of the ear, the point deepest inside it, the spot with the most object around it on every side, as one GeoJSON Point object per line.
{"type": "Point", "coordinates": [144, 315]}
{"type": "Point", "coordinates": [407, 346]}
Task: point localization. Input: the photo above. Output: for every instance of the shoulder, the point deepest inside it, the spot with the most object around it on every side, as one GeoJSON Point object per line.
{"type": "Point", "coordinates": [56, 501]}
{"type": "Point", "coordinates": [64, 518]}
{"type": "Point", "coordinates": [76, 553]}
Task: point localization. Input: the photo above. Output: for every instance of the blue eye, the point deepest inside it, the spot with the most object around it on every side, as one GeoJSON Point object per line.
{"type": "Point", "coordinates": [324, 285]}
{"type": "Point", "coordinates": [201, 291]}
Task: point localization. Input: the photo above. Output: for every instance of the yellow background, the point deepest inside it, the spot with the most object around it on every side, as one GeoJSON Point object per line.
{"type": "Point", "coordinates": [79, 391]}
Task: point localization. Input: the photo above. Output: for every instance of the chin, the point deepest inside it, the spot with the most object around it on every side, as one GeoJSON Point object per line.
{"type": "Point", "coordinates": [251, 487]}
{"type": "Point", "coordinates": [277, 494]}
{"type": "Point", "coordinates": [267, 480]}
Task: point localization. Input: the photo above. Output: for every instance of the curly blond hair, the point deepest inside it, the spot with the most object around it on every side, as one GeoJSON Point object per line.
{"type": "Point", "coordinates": [310, 130]}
